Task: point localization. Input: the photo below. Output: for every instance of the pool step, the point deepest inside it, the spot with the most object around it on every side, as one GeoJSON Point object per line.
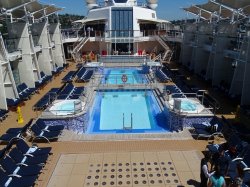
{"type": "Point", "coordinates": [134, 95]}
{"type": "Point", "coordinates": [115, 95]}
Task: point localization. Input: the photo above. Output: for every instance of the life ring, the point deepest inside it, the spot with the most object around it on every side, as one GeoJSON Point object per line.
{"type": "Point", "coordinates": [124, 78]}
{"type": "Point", "coordinates": [168, 92]}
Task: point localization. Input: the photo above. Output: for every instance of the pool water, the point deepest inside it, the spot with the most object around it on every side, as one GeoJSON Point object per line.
{"type": "Point", "coordinates": [186, 105]}
{"type": "Point", "coordinates": [65, 107]}
{"type": "Point", "coordinates": [126, 111]}
{"type": "Point", "coordinates": [114, 76]}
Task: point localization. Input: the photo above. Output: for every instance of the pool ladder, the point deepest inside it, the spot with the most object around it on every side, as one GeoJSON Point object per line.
{"type": "Point", "coordinates": [130, 126]}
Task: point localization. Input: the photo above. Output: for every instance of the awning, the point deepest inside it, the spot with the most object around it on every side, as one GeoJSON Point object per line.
{"type": "Point", "coordinates": [89, 20]}
{"type": "Point", "coordinates": [153, 20]}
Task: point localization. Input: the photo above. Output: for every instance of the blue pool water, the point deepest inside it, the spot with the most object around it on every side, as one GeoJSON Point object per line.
{"type": "Point", "coordinates": [114, 76]}
{"type": "Point", "coordinates": [112, 112]}
{"type": "Point", "coordinates": [187, 105]}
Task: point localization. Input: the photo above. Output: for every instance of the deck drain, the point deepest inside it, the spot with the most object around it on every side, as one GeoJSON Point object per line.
{"type": "Point", "coordinates": [96, 184]}
{"type": "Point", "coordinates": [149, 169]}
{"type": "Point", "coordinates": [169, 163]}
{"type": "Point", "coordinates": [119, 176]}
{"type": "Point", "coordinates": [176, 181]}
{"type": "Point", "coordinates": [120, 164]}
{"type": "Point", "coordinates": [97, 171]}
{"type": "Point", "coordinates": [142, 169]}
{"type": "Point", "coordinates": [88, 184]}
{"type": "Point", "coordinates": [120, 182]}
{"type": "Point", "coordinates": [112, 164]}
{"type": "Point", "coordinates": [134, 169]}
{"type": "Point", "coordinates": [136, 182]}
{"type": "Point", "coordinates": [127, 176]}
{"type": "Point", "coordinates": [105, 164]}
{"type": "Point", "coordinates": [141, 164]}
{"type": "Point", "coordinates": [97, 177]}
{"type": "Point", "coordinates": [127, 164]}
{"type": "Point", "coordinates": [162, 163]}
{"type": "Point", "coordinates": [134, 164]}
{"type": "Point", "coordinates": [157, 169]}
{"type": "Point", "coordinates": [143, 175]}
{"type": "Point", "coordinates": [164, 169]}
{"type": "Point", "coordinates": [112, 170]}
{"type": "Point", "coordinates": [173, 174]}
{"type": "Point", "coordinates": [127, 169]}
{"type": "Point", "coordinates": [104, 176]}
{"type": "Point", "coordinates": [91, 165]}
{"type": "Point", "coordinates": [88, 177]}
{"type": "Point", "coordinates": [135, 175]}
{"type": "Point", "coordinates": [112, 176]}
{"type": "Point", "coordinates": [128, 182]}
{"type": "Point", "coordinates": [168, 181]}
{"type": "Point", "coordinates": [104, 183]}
{"type": "Point", "coordinates": [105, 170]}
{"type": "Point", "coordinates": [144, 182]}
{"type": "Point", "coordinates": [160, 181]}
{"type": "Point", "coordinates": [120, 170]}
{"type": "Point", "coordinates": [165, 174]}
{"type": "Point", "coordinates": [148, 163]}
{"type": "Point", "coordinates": [112, 183]}
{"type": "Point", "coordinates": [98, 165]}
{"type": "Point", "coordinates": [158, 174]}
{"type": "Point", "coordinates": [152, 181]}
{"type": "Point", "coordinates": [155, 163]}
{"type": "Point", "coordinates": [171, 168]}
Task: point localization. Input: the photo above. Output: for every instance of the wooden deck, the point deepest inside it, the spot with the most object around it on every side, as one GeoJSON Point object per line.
{"type": "Point", "coordinates": [68, 165]}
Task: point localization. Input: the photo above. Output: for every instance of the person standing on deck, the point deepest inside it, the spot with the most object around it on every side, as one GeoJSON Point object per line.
{"type": "Point", "coordinates": [204, 173]}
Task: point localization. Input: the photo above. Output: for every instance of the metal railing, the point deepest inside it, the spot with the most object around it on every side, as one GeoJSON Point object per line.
{"type": "Point", "coordinates": [114, 34]}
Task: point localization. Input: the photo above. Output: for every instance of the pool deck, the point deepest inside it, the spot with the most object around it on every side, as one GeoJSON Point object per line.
{"type": "Point", "coordinates": [78, 158]}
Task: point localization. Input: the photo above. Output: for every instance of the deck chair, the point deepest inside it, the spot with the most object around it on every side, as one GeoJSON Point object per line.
{"type": "Point", "coordinates": [18, 157]}
{"type": "Point", "coordinates": [15, 133]}
{"type": "Point", "coordinates": [43, 134]}
{"type": "Point", "coordinates": [32, 151]}
{"type": "Point", "coordinates": [22, 169]}
{"type": "Point", "coordinates": [48, 128]}
{"type": "Point", "coordinates": [16, 180]}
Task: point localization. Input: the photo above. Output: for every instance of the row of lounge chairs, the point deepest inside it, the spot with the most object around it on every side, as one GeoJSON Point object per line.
{"type": "Point", "coordinates": [84, 75]}
{"type": "Point", "coordinates": [47, 99]}
{"type": "Point", "coordinates": [21, 164]}
{"type": "Point", "coordinates": [39, 130]}
{"type": "Point", "coordinates": [70, 92]}
{"type": "Point", "coordinates": [161, 76]}
{"type": "Point", "coordinates": [25, 92]}
{"type": "Point", "coordinates": [69, 77]}
{"type": "Point", "coordinates": [44, 80]}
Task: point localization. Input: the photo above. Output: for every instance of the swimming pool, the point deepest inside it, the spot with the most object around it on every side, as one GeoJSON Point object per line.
{"type": "Point", "coordinates": [66, 107]}
{"type": "Point", "coordinates": [116, 75]}
{"type": "Point", "coordinates": [126, 112]}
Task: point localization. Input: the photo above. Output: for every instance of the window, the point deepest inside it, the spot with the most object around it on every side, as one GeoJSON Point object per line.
{"type": "Point", "coordinates": [120, 1]}
{"type": "Point", "coordinates": [153, 15]}
{"type": "Point", "coordinates": [122, 22]}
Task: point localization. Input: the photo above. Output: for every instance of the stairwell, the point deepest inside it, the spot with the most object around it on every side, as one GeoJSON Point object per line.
{"type": "Point", "coordinates": [78, 45]}
{"type": "Point", "coordinates": [168, 51]}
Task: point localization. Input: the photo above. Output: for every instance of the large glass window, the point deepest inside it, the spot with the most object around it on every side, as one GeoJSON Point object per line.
{"type": "Point", "coordinates": [120, 1]}
{"type": "Point", "coordinates": [122, 22]}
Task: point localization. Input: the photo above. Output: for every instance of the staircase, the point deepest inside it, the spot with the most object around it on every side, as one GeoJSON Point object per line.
{"type": "Point", "coordinates": [168, 52]}
{"type": "Point", "coordinates": [77, 47]}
